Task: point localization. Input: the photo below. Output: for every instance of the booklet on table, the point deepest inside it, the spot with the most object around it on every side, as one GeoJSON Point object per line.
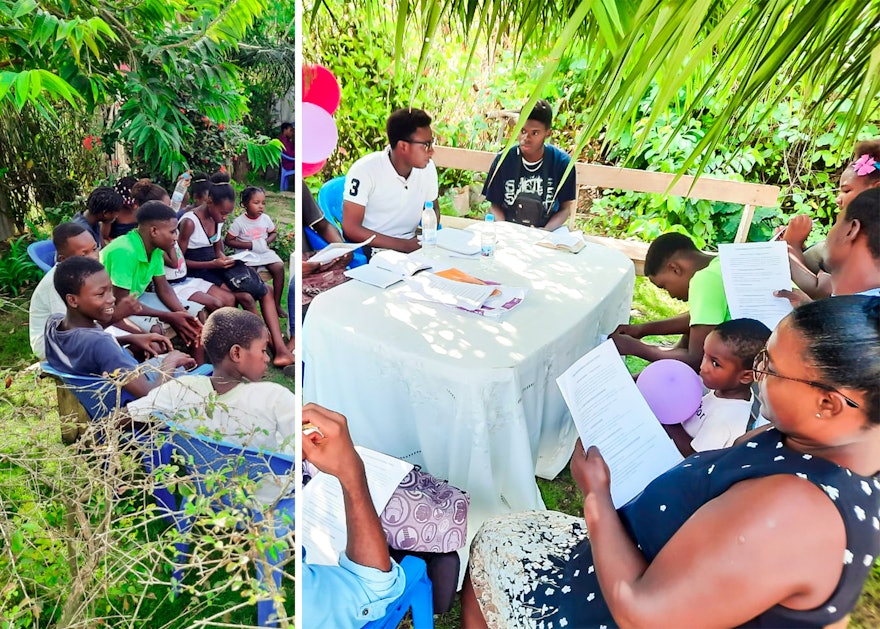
{"type": "Point", "coordinates": [563, 240]}
{"type": "Point", "coordinates": [388, 267]}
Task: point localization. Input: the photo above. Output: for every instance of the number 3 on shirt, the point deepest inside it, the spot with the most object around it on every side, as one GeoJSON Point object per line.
{"type": "Point", "coordinates": [355, 184]}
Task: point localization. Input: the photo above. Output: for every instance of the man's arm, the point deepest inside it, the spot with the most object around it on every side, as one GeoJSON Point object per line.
{"type": "Point", "coordinates": [692, 354]}
{"type": "Point", "coordinates": [679, 324]}
{"type": "Point", "coordinates": [498, 213]}
{"type": "Point", "coordinates": [561, 216]}
{"type": "Point", "coordinates": [354, 231]}
{"type": "Point", "coordinates": [327, 231]}
{"type": "Point", "coordinates": [332, 452]}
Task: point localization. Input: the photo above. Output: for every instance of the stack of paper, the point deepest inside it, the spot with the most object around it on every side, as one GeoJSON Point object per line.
{"type": "Point", "coordinates": [431, 287]}
{"type": "Point", "coordinates": [387, 268]}
{"type": "Point", "coordinates": [324, 529]}
{"type": "Point", "coordinates": [751, 271]}
{"type": "Point", "coordinates": [611, 414]}
{"type": "Point", "coordinates": [500, 301]}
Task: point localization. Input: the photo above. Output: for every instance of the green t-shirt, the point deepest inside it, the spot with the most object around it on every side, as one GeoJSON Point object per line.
{"type": "Point", "coordinates": [706, 299]}
{"type": "Point", "coordinates": [126, 261]}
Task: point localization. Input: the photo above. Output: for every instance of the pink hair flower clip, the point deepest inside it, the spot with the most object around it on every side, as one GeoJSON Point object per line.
{"type": "Point", "coordinates": [865, 164]}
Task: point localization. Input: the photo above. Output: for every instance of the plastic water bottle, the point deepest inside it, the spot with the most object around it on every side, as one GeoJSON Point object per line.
{"type": "Point", "coordinates": [487, 237]}
{"type": "Point", "coordinates": [429, 225]}
{"type": "Point", "coordinates": [180, 191]}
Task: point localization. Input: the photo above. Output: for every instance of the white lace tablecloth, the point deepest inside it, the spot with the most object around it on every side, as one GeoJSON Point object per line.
{"type": "Point", "coordinates": [471, 400]}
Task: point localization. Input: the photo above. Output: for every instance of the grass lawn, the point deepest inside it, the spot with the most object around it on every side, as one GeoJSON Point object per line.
{"type": "Point", "coordinates": [29, 420]}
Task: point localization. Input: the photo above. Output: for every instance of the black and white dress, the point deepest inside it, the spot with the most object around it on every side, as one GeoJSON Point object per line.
{"type": "Point", "coordinates": [536, 569]}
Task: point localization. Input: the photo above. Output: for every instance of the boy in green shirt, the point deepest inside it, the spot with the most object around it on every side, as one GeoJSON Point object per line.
{"type": "Point", "coordinates": [674, 264]}
{"type": "Point", "coordinates": [135, 259]}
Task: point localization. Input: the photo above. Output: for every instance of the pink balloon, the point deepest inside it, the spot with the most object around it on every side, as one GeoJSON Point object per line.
{"type": "Point", "coordinates": [672, 389]}
{"type": "Point", "coordinates": [310, 169]}
{"type": "Point", "coordinates": [319, 134]}
{"type": "Point", "coordinates": [321, 88]}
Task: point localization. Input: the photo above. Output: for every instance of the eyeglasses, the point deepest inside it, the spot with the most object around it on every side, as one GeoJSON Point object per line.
{"type": "Point", "coordinates": [428, 145]}
{"type": "Point", "coordinates": [762, 369]}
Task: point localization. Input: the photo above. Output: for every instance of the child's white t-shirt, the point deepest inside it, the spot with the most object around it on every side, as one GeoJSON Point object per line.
{"type": "Point", "coordinates": [718, 422]}
{"type": "Point", "coordinates": [253, 414]}
{"type": "Point", "coordinates": [249, 230]}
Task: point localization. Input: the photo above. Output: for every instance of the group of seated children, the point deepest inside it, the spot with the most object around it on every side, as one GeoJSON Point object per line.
{"type": "Point", "coordinates": [105, 304]}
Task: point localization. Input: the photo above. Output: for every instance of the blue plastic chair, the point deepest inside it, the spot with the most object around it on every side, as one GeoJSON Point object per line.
{"type": "Point", "coordinates": [42, 253]}
{"type": "Point", "coordinates": [99, 396]}
{"type": "Point", "coordinates": [416, 596]}
{"type": "Point", "coordinates": [330, 202]}
{"type": "Point", "coordinates": [317, 243]}
{"type": "Point", "coordinates": [282, 185]}
{"type": "Point", "coordinates": [210, 462]}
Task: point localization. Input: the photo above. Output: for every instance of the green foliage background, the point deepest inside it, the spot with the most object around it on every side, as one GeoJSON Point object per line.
{"type": "Point", "coordinates": [776, 145]}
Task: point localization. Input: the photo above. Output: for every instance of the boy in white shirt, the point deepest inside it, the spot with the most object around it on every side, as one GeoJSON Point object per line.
{"type": "Point", "coordinates": [726, 370]}
{"type": "Point", "coordinates": [385, 192]}
{"type": "Point", "coordinates": [232, 404]}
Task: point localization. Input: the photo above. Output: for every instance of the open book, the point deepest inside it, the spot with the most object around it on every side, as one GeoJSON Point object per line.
{"type": "Point", "coordinates": [563, 239]}
{"type": "Point", "coordinates": [611, 414]}
{"type": "Point", "coordinates": [323, 528]}
{"type": "Point", "coordinates": [387, 267]}
{"type": "Point", "coordinates": [337, 250]}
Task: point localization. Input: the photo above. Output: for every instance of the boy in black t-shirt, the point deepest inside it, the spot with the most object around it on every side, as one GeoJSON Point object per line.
{"type": "Point", "coordinates": [527, 185]}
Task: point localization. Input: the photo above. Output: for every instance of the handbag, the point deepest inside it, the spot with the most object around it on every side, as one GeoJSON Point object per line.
{"type": "Point", "coordinates": [242, 278]}
{"type": "Point", "coordinates": [529, 210]}
{"type": "Point", "coordinates": [426, 514]}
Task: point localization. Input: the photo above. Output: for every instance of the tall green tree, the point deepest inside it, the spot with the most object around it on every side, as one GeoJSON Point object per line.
{"type": "Point", "coordinates": [157, 70]}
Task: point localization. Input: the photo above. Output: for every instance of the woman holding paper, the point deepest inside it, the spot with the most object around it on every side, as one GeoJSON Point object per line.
{"type": "Point", "coordinates": [788, 521]}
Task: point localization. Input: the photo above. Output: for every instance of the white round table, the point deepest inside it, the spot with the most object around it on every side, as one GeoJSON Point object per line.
{"type": "Point", "coordinates": [469, 399]}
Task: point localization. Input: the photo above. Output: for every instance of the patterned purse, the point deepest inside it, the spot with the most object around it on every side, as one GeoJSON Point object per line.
{"type": "Point", "coordinates": [426, 514]}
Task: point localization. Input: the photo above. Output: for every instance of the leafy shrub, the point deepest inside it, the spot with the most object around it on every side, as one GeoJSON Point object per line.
{"type": "Point", "coordinates": [17, 270]}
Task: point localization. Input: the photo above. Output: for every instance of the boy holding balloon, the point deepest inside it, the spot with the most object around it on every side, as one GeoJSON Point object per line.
{"type": "Point", "coordinates": [726, 370]}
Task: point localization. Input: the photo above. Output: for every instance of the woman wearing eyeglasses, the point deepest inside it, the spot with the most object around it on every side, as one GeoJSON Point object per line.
{"type": "Point", "coordinates": [780, 531]}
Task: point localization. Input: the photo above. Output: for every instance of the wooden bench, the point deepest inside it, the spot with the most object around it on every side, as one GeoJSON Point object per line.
{"type": "Point", "coordinates": [750, 195]}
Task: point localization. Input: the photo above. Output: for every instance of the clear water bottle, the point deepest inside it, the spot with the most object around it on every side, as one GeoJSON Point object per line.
{"type": "Point", "coordinates": [180, 191]}
{"type": "Point", "coordinates": [429, 225]}
{"type": "Point", "coordinates": [487, 237]}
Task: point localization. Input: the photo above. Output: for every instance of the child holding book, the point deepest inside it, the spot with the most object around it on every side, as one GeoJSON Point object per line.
{"type": "Point", "coordinates": [726, 370]}
{"type": "Point", "coordinates": [254, 231]}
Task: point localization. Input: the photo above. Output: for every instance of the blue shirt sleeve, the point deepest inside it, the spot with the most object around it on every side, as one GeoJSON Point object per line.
{"type": "Point", "coordinates": [107, 355]}
{"type": "Point", "coordinates": [348, 595]}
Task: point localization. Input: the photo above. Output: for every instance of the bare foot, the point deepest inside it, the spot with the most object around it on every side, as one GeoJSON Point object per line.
{"type": "Point", "coordinates": [282, 359]}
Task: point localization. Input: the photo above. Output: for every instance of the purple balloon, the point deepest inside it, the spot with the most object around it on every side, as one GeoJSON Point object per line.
{"type": "Point", "coordinates": [319, 134]}
{"type": "Point", "coordinates": [672, 389]}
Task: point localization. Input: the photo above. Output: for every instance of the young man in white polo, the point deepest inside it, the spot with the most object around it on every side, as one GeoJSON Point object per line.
{"type": "Point", "coordinates": [385, 192]}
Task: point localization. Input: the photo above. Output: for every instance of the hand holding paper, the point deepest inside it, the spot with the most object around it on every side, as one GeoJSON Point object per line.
{"type": "Point", "coordinates": [612, 415]}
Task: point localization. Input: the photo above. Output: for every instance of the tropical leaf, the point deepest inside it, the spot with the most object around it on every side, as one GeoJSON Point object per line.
{"type": "Point", "coordinates": [750, 54]}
